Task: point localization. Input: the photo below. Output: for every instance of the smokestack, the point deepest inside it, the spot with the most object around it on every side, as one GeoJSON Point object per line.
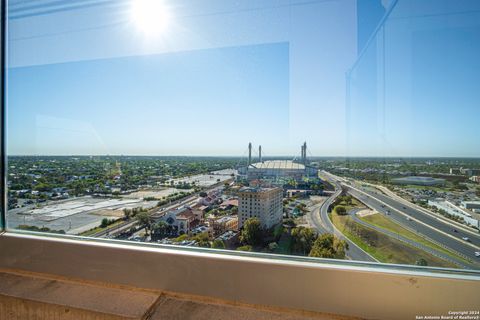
{"type": "Point", "coordinates": [301, 153]}
{"type": "Point", "coordinates": [249, 153]}
{"type": "Point", "coordinates": [259, 153]}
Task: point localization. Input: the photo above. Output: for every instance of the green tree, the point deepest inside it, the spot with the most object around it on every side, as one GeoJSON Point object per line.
{"type": "Point", "coordinates": [348, 200]}
{"type": "Point", "coordinates": [290, 222]}
{"type": "Point", "coordinates": [105, 223]}
{"type": "Point", "coordinates": [277, 231]}
{"type": "Point", "coordinates": [272, 246]}
{"type": "Point", "coordinates": [126, 213]}
{"type": "Point", "coordinates": [421, 262]}
{"type": "Point", "coordinates": [203, 240]}
{"type": "Point", "coordinates": [340, 210]}
{"type": "Point", "coordinates": [252, 232]}
{"type": "Point", "coordinates": [329, 246]}
{"type": "Point", "coordinates": [301, 207]}
{"type": "Point", "coordinates": [144, 220]}
{"type": "Point", "coordinates": [160, 228]}
{"type": "Point", "coordinates": [42, 187]}
{"type": "Point", "coordinates": [218, 244]}
{"type": "Point", "coordinates": [181, 238]}
{"type": "Point", "coordinates": [303, 239]}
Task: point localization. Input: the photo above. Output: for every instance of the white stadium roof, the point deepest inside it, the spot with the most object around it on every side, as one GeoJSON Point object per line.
{"type": "Point", "coordinates": [278, 164]}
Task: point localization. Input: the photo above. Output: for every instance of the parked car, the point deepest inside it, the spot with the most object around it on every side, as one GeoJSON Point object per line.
{"type": "Point", "coordinates": [466, 239]}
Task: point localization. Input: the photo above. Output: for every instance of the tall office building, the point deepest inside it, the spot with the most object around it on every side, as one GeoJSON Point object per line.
{"type": "Point", "coordinates": [262, 203]}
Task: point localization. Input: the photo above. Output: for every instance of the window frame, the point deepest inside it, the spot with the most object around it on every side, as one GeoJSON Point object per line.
{"type": "Point", "coordinates": [373, 290]}
{"type": "Point", "coordinates": [3, 156]}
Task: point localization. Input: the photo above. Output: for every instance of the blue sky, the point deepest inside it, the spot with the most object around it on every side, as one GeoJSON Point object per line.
{"type": "Point", "coordinates": [224, 73]}
{"type": "Point", "coordinates": [428, 104]}
{"type": "Point", "coordinates": [177, 103]}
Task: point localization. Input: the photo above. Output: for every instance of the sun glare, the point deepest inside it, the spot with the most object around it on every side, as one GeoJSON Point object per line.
{"type": "Point", "coordinates": [151, 17]}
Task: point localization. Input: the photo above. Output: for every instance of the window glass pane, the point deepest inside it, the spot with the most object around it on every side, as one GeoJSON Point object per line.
{"type": "Point", "coordinates": [334, 129]}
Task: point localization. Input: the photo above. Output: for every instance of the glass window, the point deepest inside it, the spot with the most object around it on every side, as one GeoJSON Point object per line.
{"type": "Point", "coordinates": [159, 121]}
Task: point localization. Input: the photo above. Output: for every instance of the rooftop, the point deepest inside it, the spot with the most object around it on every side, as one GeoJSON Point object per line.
{"type": "Point", "coordinates": [255, 189]}
{"type": "Point", "coordinates": [278, 164]}
{"type": "Point", "coordinates": [185, 214]}
{"type": "Point", "coordinates": [417, 178]}
{"type": "Point", "coordinates": [231, 202]}
{"type": "Point", "coordinates": [227, 235]}
{"type": "Point", "coordinates": [471, 202]}
{"type": "Point", "coordinates": [226, 219]}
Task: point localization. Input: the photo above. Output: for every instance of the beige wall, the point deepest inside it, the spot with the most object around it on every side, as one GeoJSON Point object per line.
{"type": "Point", "coordinates": [265, 204]}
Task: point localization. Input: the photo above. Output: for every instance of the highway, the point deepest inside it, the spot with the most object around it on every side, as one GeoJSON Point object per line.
{"type": "Point", "coordinates": [321, 221]}
{"type": "Point", "coordinates": [434, 252]}
{"type": "Point", "coordinates": [426, 218]}
{"type": "Point", "coordinates": [419, 222]}
{"type": "Point", "coordinates": [416, 220]}
{"type": "Point", "coordinates": [468, 229]}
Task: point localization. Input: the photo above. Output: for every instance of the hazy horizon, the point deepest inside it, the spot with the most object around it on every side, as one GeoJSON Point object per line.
{"type": "Point", "coordinates": [254, 157]}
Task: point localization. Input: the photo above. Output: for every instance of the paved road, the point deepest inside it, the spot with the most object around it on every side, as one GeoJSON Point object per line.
{"type": "Point", "coordinates": [427, 218]}
{"type": "Point", "coordinates": [320, 219]}
{"type": "Point", "coordinates": [408, 241]}
{"type": "Point", "coordinates": [419, 222]}
{"type": "Point", "coordinates": [313, 217]}
{"type": "Point", "coordinates": [454, 224]}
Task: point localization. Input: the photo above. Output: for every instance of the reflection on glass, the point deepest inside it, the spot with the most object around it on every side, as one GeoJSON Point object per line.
{"type": "Point", "coordinates": [328, 129]}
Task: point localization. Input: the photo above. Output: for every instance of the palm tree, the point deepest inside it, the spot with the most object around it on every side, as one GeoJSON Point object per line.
{"type": "Point", "coordinates": [126, 213]}
{"type": "Point", "coordinates": [144, 220]}
{"type": "Point", "coordinates": [160, 228]}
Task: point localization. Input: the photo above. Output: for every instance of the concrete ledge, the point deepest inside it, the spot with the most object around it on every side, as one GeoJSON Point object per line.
{"type": "Point", "coordinates": [326, 287]}
{"type": "Point", "coordinates": [29, 297]}
{"type": "Point", "coordinates": [39, 296]}
{"type": "Point", "coordinates": [176, 308]}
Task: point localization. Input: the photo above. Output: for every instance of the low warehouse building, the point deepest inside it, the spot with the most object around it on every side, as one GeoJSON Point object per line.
{"type": "Point", "coordinates": [419, 181]}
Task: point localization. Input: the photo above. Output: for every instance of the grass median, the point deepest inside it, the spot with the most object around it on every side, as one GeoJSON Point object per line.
{"type": "Point", "coordinates": [387, 224]}
{"type": "Point", "coordinates": [382, 247]}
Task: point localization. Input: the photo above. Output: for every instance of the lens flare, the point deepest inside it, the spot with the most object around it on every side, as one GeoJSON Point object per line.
{"type": "Point", "coordinates": [151, 17]}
